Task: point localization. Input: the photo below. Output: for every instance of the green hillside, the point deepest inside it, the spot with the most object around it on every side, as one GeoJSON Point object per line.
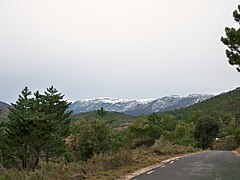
{"type": "Point", "coordinates": [115, 119]}
{"type": "Point", "coordinates": [221, 104]}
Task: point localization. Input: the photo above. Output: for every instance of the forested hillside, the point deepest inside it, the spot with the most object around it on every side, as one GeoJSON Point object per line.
{"type": "Point", "coordinates": [219, 115]}
{"type": "Point", "coordinates": [115, 119]}
{"type": "Point", "coordinates": [225, 103]}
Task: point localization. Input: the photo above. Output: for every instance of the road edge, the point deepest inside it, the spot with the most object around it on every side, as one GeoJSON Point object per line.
{"type": "Point", "coordinates": [237, 152]}
{"type": "Point", "coordinates": [150, 168]}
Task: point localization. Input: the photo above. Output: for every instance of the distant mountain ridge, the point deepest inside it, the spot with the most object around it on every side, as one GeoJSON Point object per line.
{"type": "Point", "coordinates": [4, 105]}
{"type": "Point", "coordinates": [224, 103]}
{"type": "Point", "coordinates": [137, 107]}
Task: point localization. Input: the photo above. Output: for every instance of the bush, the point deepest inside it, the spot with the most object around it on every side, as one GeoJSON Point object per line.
{"type": "Point", "coordinates": [94, 137]}
{"type": "Point", "coordinates": [237, 136]}
{"type": "Point", "coordinates": [238, 151]}
{"type": "Point", "coordinates": [162, 146]}
{"type": "Point", "coordinates": [206, 131]}
{"type": "Point", "coordinates": [227, 144]}
{"type": "Point", "coordinates": [100, 163]}
{"type": "Point", "coordinates": [143, 133]}
{"type": "Point", "coordinates": [220, 144]}
{"type": "Point", "coordinates": [47, 171]}
{"type": "Point", "coordinates": [111, 160]}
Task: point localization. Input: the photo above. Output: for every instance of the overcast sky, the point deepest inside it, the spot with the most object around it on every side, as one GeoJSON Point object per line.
{"type": "Point", "coordinates": [115, 48]}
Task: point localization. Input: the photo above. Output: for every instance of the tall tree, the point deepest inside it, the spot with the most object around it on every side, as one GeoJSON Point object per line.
{"type": "Point", "coordinates": [143, 132]}
{"type": "Point", "coordinates": [101, 112]}
{"type": "Point", "coordinates": [93, 137]}
{"type": "Point", "coordinates": [37, 126]}
{"type": "Point", "coordinates": [232, 41]}
{"type": "Point", "coordinates": [5, 160]}
{"type": "Point", "coordinates": [19, 131]}
{"type": "Point", "coordinates": [206, 130]}
{"type": "Point", "coordinates": [58, 118]}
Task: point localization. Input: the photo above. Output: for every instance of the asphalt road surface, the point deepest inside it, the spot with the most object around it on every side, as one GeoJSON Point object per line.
{"type": "Point", "coordinates": [213, 165]}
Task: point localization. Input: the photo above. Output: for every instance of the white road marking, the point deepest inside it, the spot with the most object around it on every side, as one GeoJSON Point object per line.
{"type": "Point", "coordinates": [171, 162]}
{"type": "Point", "coordinates": [150, 172]}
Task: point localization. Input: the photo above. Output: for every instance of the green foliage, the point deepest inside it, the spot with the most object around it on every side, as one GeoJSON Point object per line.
{"type": "Point", "coordinates": [183, 134]}
{"type": "Point", "coordinates": [20, 131]}
{"type": "Point", "coordinates": [177, 132]}
{"type": "Point", "coordinates": [162, 146]}
{"type": "Point", "coordinates": [114, 119]}
{"type": "Point", "coordinates": [168, 123]}
{"type": "Point", "coordinates": [143, 132]}
{"type": "Point", "coordinates": [154, 118]}
{"type": "Point", "coordinates": [57, 117]}
{"type": "Point", "coordinates": [227, 144]}
{"type": "Point", "coordinates": [47, 171]}
{"type": "Point", "coordinates": [37, 126]}
{"type": "Point", "coordinates": [224, 108]}
{"type": "Point", "coordinates": [217, 106]}
{"type": "Point", "coordinates": [232, 41]}
{"type": "Point", "coordinates": [237, 136]}
{"type": "Point", "coordinates": [5, 160]}
{"type": "Point", "coordinates": [101, 112]}
{"type": "Point", "coordinates": [93, 137]}
{"type": "Point", "coordinates": [79, 170]}
{"type": "Point", "coordinates": [206, 130]}
{"type": "Point", "coordinates": [111, 160]}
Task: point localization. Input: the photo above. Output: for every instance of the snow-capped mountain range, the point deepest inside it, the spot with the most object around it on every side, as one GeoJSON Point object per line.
{"type": "Point", "coordinates": [136, 107]}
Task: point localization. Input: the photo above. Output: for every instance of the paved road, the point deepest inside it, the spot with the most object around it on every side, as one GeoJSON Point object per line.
{"type": "Point", "coordinates": [213, 165]}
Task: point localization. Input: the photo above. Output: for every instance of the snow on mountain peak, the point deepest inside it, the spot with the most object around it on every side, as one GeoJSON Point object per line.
{"type": "Point", "coordinates": [137, 107]}
{"type": "Point", "coordinates": [110, 100]}
{"type": "Point", "coordinates": [144, 101]}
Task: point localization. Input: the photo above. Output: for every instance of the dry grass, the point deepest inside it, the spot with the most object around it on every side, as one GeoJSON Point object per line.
{"type": "Point", "coordinates": [237, 151]}
{"type": "Point", "coordinates": [141, 158]}
{"type": "Point", "coordinates": [105, 167]}
{"type": "Point", "coordinates": [162, 147]}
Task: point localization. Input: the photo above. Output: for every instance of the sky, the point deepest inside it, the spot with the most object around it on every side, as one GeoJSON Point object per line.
{"type": "Point", "coordinates": [115, 48]}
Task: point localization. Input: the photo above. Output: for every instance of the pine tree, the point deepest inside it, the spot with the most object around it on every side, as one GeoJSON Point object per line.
{"type": "Point", "coordinates": [19, 131]}
{"type": "Point", "coordinates": [93, 138]}
{"type": "Point", "coordinates": [232, 41]}
{"type": "Point", "coordinates": [37, 127]}
{"type": "Point", "coordinates": [206, 130]}
{"type": "Point", "coordinates": [4, 150]}
{"type": "Point", "coordinates": [101, 112]}
{"type": "Point", "coordinates": [55, 109]}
